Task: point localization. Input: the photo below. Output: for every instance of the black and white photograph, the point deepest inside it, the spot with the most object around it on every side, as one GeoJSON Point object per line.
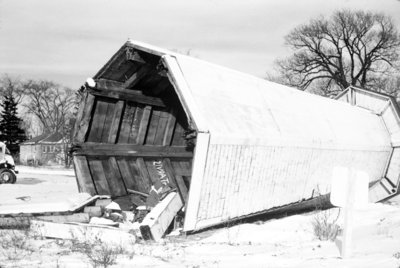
{"type": "Point", "coordinates": [195, 134]}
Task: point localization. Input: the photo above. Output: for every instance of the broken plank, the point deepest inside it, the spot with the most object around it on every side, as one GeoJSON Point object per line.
{"type": "Point", "coordinates": [160, 217]}
{"type": "Point", "coordinates": [116, 119]}
{"type": "Point", "coordinates": [82, 232]}
{"type": "Point", "coordinates": [93, 211]}
{"type": "Point", "coordinates": [77, 217]}
{"type": "Point", "coordinates": [80, 132]}
{"type": "Point", "coordinates": [84, 178]}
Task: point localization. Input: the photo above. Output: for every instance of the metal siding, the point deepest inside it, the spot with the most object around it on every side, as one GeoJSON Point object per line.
{"type": "Point", "coordinates": [240, 180]}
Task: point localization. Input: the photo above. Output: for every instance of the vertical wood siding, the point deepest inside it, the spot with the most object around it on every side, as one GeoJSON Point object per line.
{"type": "Point", "coordinates": [112, 121]}
{"type": "Point", "coordinates": [241, 180]}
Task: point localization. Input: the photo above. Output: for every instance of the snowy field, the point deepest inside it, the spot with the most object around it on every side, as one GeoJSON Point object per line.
{"type": "Point", "coordinates": [286, 242]}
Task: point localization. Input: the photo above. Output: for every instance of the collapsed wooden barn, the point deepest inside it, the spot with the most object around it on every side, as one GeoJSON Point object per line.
{"type": "Point", "coordinates": [230, 143]}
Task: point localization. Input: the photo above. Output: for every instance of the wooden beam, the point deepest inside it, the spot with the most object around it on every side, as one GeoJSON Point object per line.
{"type": "Point", "coordinates": [117, 90]}
{"type": "Point", "coordinates": [135, 78]}
{"type": "Point", "coordinates": [160, 217]}
{"type": "Point", "coordinates": [99, 149]}
{"type": "Point", "coordinates": [129, 95]}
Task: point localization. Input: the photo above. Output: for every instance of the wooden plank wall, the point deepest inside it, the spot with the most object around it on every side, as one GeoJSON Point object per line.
{"type": "Point", "coordinates": [121, 141]}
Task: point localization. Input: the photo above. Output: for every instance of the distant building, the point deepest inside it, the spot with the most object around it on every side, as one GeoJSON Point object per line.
{"type": "Point", "coordinates": [45, 149]}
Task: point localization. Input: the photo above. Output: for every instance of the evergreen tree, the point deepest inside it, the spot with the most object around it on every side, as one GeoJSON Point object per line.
{"type": "Point", "coordinates": [10, 125]}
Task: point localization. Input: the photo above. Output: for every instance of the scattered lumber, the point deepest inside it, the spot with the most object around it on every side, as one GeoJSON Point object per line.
{"type": "Point", "coordinates": [160, 217]}
{"type": "Point", "coordinates": [82, 232]}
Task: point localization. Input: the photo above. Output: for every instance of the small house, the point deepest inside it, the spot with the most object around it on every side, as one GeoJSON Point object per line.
{"type": "Point", "coordinates": [232, 144]}
{"type": "Point", "coordinates": [43, 150]}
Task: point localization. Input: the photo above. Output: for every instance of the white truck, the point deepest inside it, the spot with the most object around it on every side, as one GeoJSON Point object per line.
{"type": "Point", "coordinates": [8, 174]}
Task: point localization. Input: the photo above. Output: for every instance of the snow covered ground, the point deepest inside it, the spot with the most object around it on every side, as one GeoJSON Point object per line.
{"type": "Point", "coordinates": [285, 242]}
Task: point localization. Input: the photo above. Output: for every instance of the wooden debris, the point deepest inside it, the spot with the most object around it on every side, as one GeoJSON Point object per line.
{"type": "Point", "coordinates": [137, 192]}
{"type": "Point", "coordinates": [113, 206]}
{"type": "Point", "coordinates": [82, 232]}
{"type": "Point", "coordinates": [103, 221]}
{"type": "Point", "coordinates": [76, 217]}
{"type": "Point", "coordinates": [103, 202]}
{"type": "Point", "coordinates": [160, 217]}
{"type": "Point", "coordinates": [93, 211]}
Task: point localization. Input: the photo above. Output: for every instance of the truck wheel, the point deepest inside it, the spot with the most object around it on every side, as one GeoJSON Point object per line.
{"type": "Point", "coordinates": [7, 176]}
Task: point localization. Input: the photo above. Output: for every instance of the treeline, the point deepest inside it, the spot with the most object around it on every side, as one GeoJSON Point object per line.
{"type": "Point", "coordinates": [34, 107]}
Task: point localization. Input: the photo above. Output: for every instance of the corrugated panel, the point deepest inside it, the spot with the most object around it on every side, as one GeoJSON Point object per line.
{"type": "Point", "coordinates": [240, 180]}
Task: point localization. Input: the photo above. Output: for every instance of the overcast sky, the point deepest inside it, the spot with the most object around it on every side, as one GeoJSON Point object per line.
{"type": "Point", "coordinates": [70, 40]}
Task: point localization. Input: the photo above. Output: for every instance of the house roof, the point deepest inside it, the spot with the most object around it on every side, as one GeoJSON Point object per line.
{"type": "Point", "coordinates": [237, 108]}
{"type": "Point", "coordinates": [45, 138]}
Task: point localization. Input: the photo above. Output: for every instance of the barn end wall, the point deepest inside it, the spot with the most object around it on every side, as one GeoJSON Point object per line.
{"type": "Point", "coordinates": [387, 109]}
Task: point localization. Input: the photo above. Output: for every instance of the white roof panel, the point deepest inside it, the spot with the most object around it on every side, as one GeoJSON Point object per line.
{"type": "Point", "coordinates": [240, 108]}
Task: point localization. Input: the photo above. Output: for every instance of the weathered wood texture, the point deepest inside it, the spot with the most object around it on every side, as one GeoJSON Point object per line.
{"type": "Point", "coordinates": [121, 139]}
{"type": "Point", "coordinates": [115, 175]}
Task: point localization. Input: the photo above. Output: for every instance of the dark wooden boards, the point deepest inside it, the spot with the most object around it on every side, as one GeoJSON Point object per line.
{"type": "Point", "coordinates": [94, 149]}
{"type": "Point", "coordinates": [83, 122]}
{"type": "Point", "coordinates": [128, 94]}
{"type": "Point", "coordinates": [85, 182]}
{"type": "Point", "coordinates": [116, 118]}
{"type": "Point", "coordinates": [131, 128]}
{"type": "Point", "coordinates": [178, 180]}
{"type": "Point", "coordinates": [115, 175]}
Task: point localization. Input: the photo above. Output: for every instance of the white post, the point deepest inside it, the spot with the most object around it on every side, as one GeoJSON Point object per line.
{"type": "Point", "coordinates": [349, 191]}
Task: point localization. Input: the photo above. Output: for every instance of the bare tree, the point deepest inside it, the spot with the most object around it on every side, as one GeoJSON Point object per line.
{"type": "Point", "coordinates": [12, 86]}
{"type": "Point", "coordinates": [50, 103]}
{"type": "Point", "coordinates": [350, 48]}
